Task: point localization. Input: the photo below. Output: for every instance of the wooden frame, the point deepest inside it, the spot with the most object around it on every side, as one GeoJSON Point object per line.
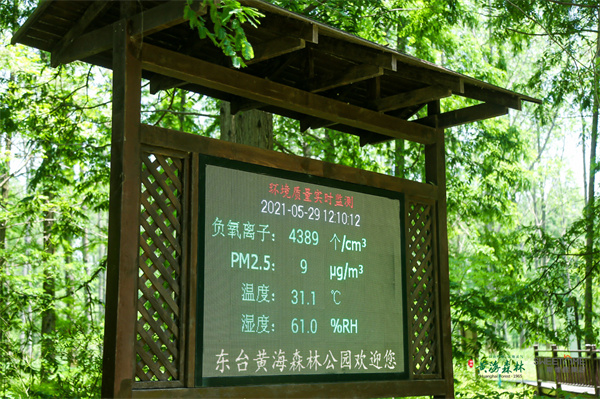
{"type": "Point", "coordinates": [426, 368]}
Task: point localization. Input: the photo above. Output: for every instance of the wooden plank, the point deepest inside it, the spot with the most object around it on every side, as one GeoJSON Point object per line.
{"type": "Point", "coordinates": [356, 52]}
{"type": "Point", "coordinates": [143, 24]}
{"type": "Point", "coordinates": [200, 72]}
{"type": "Point", "coordinates": [164, 386]}
{"type": "Point", "coordinates": [428, 76]}
{"type": "Point", "coordinates": [414, 97]}
{"type": "Point", "coordinates": [464, 115]}
{"type": "Point", "coordinates": [352, 75]}
{"type": "Point", "coordinates": [510, 100]}
{"type": "Point", "coordinates": [95, 9]}
{"type": "Point", "coordinates": [275, 48]}
{"type": "Point", "coordinates": [363, 389]}
{"type": "Point", "coordinates": [160, 137]}
{"type": "Point", "coordinates": [285, 26]}
{"type": "Point", "coordinates": [118, 366]}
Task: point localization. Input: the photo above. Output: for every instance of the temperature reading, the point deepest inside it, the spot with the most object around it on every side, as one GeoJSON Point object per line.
{"type": "Point", "coordinates": [298, 297]}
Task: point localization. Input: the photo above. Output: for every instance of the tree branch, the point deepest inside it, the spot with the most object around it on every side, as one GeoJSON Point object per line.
{"type": "Point", "coordinates": [567, 3]}
{"type": "Point", "coordinates": [313, 7]}
{"type": "Point", "coordinates": [535, 21]}
{"type": "Point", "coordinates": [170, 111]}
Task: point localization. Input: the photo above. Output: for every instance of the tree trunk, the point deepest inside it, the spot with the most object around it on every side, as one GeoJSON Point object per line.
{"type": "Point", "coordinates": [48, 311]}
{"type": "Point", "coordinates": [399, 159]}
{"type": "Point", "coordinates": [589, 259]}
{"type": "Point", "coordinates": [251, 127]}
{"type": "Point", "coordinates": [4, 191]}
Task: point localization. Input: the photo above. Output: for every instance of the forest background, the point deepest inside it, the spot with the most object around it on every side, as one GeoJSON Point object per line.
{"type": "Point", "coordinates": [522, 207]}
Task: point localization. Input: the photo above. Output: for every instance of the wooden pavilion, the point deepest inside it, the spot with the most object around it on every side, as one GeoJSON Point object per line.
{"type": "Point", "coordinates": [304, 70]}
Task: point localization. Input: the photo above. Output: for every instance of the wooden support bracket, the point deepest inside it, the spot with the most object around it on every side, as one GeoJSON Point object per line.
{"type": "Point", "coordinates": [486, 95]}
{"type": "Point", "coordinates": [464, 115]}
{"type": "Point", "coordinates": [354, 74]}
{"type": "Point", "coordinates": [431, 77]}
{"type": "Point", "coordinates": [411, 98]}
{"type": "Point", "coordinates": [274, 48]}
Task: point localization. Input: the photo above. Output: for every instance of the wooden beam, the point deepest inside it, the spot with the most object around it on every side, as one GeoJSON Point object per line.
{"type": "Point", "coordinates": [354, 74]}
{"type": "Point", "coordinates": [275, 48]}
{"type": "Point", "coordinates": [143, 24]}
{"type": "Point", "coordinates": [310, 122]}
{"type": "Point", "coordinates": [374, 88]}
{"type": "Point", "coordinates": [372, 138]}
{"type": "Point", "coordinates": [492, 96]}
{"type": "Point", "coordinates": [92, 43]}
{"type": "Point", "coordinates": [356, 53]}
{"type": "Point", "coordinates": [243, 104]}
{"type": "Point", "coordinates": [408, 99]}
{"type": "Point", "coordinates": [95, 9]}
{"type": "Point", "coordinates": [159, 82]}
{"type": "Point", "coordinates": [283, 64]}
{"type": "Point", "coordinates": [170, 63]}
{"type": "Point", "coordinates": [464, 115]}
{"type": "Point", "coordinates": [375, 138]}
{"type": "Point", "coordinates": [430, 77]}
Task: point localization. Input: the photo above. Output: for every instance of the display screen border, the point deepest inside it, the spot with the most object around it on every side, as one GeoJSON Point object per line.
{"type": "Point", "coordinates": [201, 381]}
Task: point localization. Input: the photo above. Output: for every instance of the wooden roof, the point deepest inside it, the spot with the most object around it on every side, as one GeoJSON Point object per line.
{"type": "Point", "coordinates": [301, 59]}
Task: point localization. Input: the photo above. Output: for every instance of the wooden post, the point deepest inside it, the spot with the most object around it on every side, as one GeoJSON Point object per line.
{"type": "Point", "coordinates": [594, 380]}
{"type": "Point", "coordinates": [536, 357]}
{"type": "Point", "coordinates": [435, 173]}
{"type": "Point", "coordinates": [118, 368]}
{"type": "Point", "coordinates": [558, 365]}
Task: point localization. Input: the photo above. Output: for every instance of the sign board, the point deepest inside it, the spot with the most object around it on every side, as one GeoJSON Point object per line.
{"type": "Point", "coordinates": [300, 279]}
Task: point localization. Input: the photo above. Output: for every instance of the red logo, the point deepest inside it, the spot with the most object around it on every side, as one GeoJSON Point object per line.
{"type": "Point", "coordinates": [470, 363]}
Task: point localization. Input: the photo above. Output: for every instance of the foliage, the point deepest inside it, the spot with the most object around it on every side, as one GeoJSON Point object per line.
{"type": "Point", "coordinates": [224, 28]}
{"type": "Point", "coordinates": [55, 148]}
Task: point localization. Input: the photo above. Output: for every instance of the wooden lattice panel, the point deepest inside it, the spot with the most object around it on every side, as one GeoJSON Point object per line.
{"type": "Point", "coordinates": [158, 305]}
{"type": "Point", "coordinates": [422, 309]}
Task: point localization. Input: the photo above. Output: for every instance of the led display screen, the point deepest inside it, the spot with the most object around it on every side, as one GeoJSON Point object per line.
{"type": "Point", "coordinates": [300, 278]}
